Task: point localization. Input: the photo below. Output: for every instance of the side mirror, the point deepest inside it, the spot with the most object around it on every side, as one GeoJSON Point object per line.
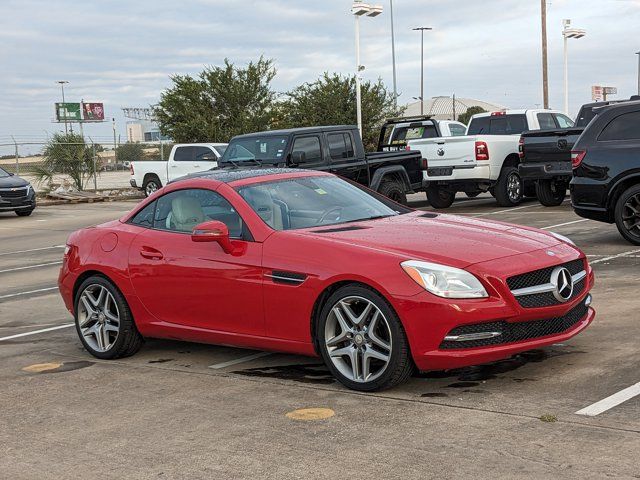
{"type": "Point", "coordinates": [297, 158]}
{"type": "Point", "coordinates": [213, 231]}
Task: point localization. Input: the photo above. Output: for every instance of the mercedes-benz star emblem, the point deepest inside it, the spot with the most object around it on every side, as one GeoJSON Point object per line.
{"type": "Point", "coordinates": [563, 282]}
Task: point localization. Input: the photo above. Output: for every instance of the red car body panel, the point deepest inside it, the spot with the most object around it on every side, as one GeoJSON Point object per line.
{"type": "Point", "coordinates": [180, 289]}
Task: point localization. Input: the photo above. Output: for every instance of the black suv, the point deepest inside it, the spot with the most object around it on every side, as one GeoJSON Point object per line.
{"type": "Point", "coordinates": [606, 169]}
{"type": "Point", "coordinates": [16, 194]}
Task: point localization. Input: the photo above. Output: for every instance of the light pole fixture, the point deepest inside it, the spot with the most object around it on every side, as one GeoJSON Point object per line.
{"type": "Point", "coordinates": [393, 58]}
{"type": "Point", "coordinates": [62, 82]}
{"type": "Point", "coordinates": [567, 33]}
{"type": "Point", "coordinates": [422, 29]}
{"type": "Point", "coordinates": [358, 9]}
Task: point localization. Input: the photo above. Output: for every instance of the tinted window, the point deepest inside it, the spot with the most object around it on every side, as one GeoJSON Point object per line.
{"type": "Point", "coordinates": [183, 210]}
{"type": "Point", "coordinates": [200, 152]}
{"type": "Point", "coordinates": [144, 218]}
{"type": "Point", "coordinates": [220, 149]}
{"type": "Point", "coordinates": [402, 134]}
{"type": "Point", "coordinates": [183, 154]}
{"type": "Point", "coordinates": [498, 125]}
{"type": "Point", "coordinates": [457, 130]}
{"type": "Point", "coordinates": [310, 146]}
{"type": "Point", "coordinates": [268, 147]}
{"type": "Point", "coordinates": [623, 127]}
{"type": "Point", "coordinates": [340, 145]}
{"type": "Point", "coordinates": [563, 121]}
{"type": "Point", "coordinates": [546, 121]}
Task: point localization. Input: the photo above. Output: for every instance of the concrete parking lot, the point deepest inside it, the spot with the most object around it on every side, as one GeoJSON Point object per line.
{"type": "Point", "coordinates": [182, 410]}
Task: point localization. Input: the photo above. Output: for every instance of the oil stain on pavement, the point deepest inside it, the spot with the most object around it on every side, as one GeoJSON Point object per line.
{"type": "Point", "coordinates": [57, 367]}
{"type": "Point", "coordinates": [313, 373]}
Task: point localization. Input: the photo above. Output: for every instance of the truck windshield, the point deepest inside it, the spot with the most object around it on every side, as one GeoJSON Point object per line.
{"type": "Point", "coordinates": [403, 133]}
{"type": "Point", "coordinates": [268, 148]}
{"type": "Point", "coordinates": [312, 201]}
{"type": "Point", "coordinates": [513, 124]}
{"type": "Point", "coordinates": [3, 173]}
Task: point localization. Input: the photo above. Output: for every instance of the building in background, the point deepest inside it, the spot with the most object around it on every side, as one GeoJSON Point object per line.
{"type": "Point", "coordinates": [143, 127]}
{"type": "Point", "coordinates": [442, 108]}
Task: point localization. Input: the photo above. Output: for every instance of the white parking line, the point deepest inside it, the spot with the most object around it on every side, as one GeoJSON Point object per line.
{"type": "Point", "coordinates": [28, 267]}
{"type": "Point", "coordinates": [612, 257]}
{"type": "Point", "coordinates": [507, 210]}
{"type": "Point", "coordinates": [566, 223]}
{"type": "Point", "coordinates": [611, 401]}
{"type": "Point", "coordinates": [35, 332]}
{"type": "Point", "coordinates": [11, 295]}
{"type": "Point", "coordinates": [248, 358]}
{"type": "Point", "coordinates": [31, 250]}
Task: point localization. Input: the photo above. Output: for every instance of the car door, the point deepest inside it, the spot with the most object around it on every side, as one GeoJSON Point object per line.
{"type": "Point", "coordinates": [342, 157]}
{"type": "Point", "coordinates": [311, 146]}
{"type": "Point", "coordinates": [182, 162]}
{"type": "Point", "coordinates": [195, 284]}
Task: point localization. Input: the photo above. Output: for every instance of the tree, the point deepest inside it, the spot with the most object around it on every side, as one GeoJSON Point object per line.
{"type": "Point", "coordinates": [67, 154]}
{"type": "Point", "coordinates": [219, 103]}
{"type": "Point", "coordinates": [466, 116]}
{"type": "Point", "coordinates": [130, 152]}
{"type": "Point", "coordinates": [331, 100]}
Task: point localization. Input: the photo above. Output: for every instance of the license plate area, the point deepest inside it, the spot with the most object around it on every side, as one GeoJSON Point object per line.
{"type": "Point", "coordinates": [440, 171]}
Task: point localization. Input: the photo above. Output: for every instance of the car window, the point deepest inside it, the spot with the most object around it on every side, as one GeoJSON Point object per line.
{"type": "Point", "coordinates": [200, 152]}
{"type": "Point", "coordinates": [623, 127]}
{"type": "Point", "coordinates": [340, 146]}
{"type": "Point", "coordinates": [457, 130]}
{"type": "Point", "coordinates": [183, 154]}
{"type": "Point", "coordinates": [402, 134]}
{"type": "Point", "coordinates": [144, 218]}
{"type": "Point", "coordinates": [220, 149]}
{"type": "Point", "coordinates": [183, 210]}
{"type": "Point", "coordinates": [498, 125]}
{"type": "Point", "coordinates": [310, 146]}
{"type": "Point", "coordinates": [585, 115]}
{"type": "Point", "coordinates": [267, 147]}
{"type": "Point", "coordinates": [546, 121]}
{"type": "Point", "coordinates": [563, 121]}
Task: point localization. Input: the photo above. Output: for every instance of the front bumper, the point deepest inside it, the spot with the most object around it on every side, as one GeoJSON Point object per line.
{"type": "Point", "coordinates": [27, 202]}
{"type": "Point", "coordinates": [545, 170]}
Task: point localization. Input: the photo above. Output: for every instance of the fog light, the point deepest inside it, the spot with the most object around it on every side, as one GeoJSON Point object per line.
{"type": "Point", "coordinates": [587, 301]}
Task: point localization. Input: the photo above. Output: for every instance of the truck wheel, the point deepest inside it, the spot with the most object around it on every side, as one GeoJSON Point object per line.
{"type": "Point", "coordinates": [509, 187]}
{"type": "Point", "coordinates": [439, 197]}
{"type": "Point", "coordinates": [150, 185]}
{"type": "Point", "coordinates": [551, 193]}
{"type": "Point", "coordinates": [394, 190]}
{"type": "Point", "coordinates": [627, 215]}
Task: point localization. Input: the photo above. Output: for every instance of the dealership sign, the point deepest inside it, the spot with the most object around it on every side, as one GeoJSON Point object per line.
{"type": "Point", "coordinates": [599, 93]}
{"type": "Point", "coordinates": [69, 112]}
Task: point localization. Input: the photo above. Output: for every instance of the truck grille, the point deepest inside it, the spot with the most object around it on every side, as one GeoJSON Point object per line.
{"type": "Point", "coordinates": [541, 277]}
{"type": "Point", "coordinates": [13, 193]}
{"type": "Point", "coordinates": [515, 331]}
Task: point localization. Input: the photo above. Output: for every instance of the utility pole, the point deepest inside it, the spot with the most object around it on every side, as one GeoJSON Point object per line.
{"type": "Point", "coordinates": [422, 29]}
{"type": "Point", "coordinates": [638, 53]}
{"type": "Point", "coordinates": [393, 59]}
{"type": "Point", "coordinates": [545, 79]}
{"type": "Point", "coordinates": [62, 82]}
{"type": "Point", "coordinates": [115, 147]}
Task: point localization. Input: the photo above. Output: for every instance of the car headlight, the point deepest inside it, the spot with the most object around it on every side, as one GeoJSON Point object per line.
{"type": "Point", "coordinates": [562, 238]}
{"type": "Point", "coordinates": [29, 188]}
{"type": "Point", "coordinates": [444, 281]}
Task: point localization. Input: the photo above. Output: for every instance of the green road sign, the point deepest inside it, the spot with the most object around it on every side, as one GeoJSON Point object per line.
{"type": "Point", "coordinates": [69, 112]}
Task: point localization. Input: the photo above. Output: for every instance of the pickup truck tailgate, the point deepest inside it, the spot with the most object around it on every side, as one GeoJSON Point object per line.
{"type": "Point", "coordinates": [446, 153]}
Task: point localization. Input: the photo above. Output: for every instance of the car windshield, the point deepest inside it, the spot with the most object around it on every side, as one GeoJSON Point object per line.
{"type": "Point", "coordinates": [268, 148]}
{"type": "Point", "coordinates": [3, 173]}
{"type": "Point", "coordinates": [220, 149]}
{"type": "Point", "coordinates": [312, 201]}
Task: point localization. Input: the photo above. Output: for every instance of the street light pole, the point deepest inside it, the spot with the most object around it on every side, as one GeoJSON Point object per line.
{"type": "Point", "coordinates": [422, 29]}
{"type": "Point", "coordinates": [567, 33]}
{"type": "Point", "coordinates": [545, 79]}
{"type": "Point", "coordinates": [393, 58]}
{"type": "Point", "coordinates": [62, 82]}
{"type": "Point", "coordinates": [638, 53]}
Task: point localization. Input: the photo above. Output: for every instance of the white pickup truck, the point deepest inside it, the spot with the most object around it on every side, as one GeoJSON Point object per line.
{"type": "Point", "coordinates": [397, 132]}
{"type": "Point", "coordinates": [185, 158]}
{"type": "Point", "coordinates": [485, 159]}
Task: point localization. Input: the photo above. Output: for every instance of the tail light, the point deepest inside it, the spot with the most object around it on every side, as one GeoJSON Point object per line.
{"type": "Point", "coordinates": [498, 114]}
{"type": "Point", "coordinates": [576, 157]}
{"type": "Point", "coordinates": [482, 151]}
{"type": "Point", "coordinates": [425, 164]}
{"type": "Point", "coordinates": [521, 148]}
{"type": "Point", "coordinates": [131, 168]}
{"type": "Point", "coordinates": [407, 148]}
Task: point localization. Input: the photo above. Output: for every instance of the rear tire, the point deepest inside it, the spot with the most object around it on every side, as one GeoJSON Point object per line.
{"type": "Point", "coordinates": [393, 190]}
{"type": "Point", "coordinates": [627, 215]}
{"type": "Point", "coordinates": [151, 184]}
{"type": "Point", "coordinates": [439, 197]}
{"type": "Point", "coordinates": [551, 193]}
{"type": "Point", "coordinates": [508, 190]}
{"type": "Point", "coordinates": [104, 321]}
{"type": "Point", "coordinates": [24, 213]}
{"type": "Point", "coordinates": [364, 351]}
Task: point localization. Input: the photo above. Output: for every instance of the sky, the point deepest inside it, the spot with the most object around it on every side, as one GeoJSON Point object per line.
{"type": "Point", "coordinates": [123, 53]}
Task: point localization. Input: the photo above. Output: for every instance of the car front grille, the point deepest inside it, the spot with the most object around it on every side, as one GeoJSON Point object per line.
{"type": "Point", "coordinates": [13, 192]}
{"type": "Point", "coordinates": [510, 332]}
{"type": "Point", "coordinates": [541, 277]}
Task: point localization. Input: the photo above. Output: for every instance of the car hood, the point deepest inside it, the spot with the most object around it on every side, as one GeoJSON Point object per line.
{"type": "Point", "coordinates": [445, 239]}
{"type": "Point", "coordinates": [13, 181]}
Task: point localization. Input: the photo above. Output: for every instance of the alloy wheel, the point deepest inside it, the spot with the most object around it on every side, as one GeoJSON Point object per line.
{"type": "Point", "coordinates": [514, 187]}
{"type": "Point", "coordinates": [631, 215]}
{"type": "Point", "coordinates": [358, 339]}
{"type": "Point", "coordinates": [98, 317]}
{"type": "Point", "coordinates": [151, 187]}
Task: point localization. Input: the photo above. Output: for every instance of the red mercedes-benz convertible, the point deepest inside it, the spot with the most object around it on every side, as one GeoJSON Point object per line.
{"type": "Point", "coordinates": [308, 263]}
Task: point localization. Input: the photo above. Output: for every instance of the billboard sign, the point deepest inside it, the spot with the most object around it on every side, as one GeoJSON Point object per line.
{"type": "Point", "coordinates": [599, 93]}
{"type": "Point", "coordinates": [70, 112]}
{"type": "Point", "coordinates": [610, 90]}
{"type": "Point", "coordinates": [93, 112]}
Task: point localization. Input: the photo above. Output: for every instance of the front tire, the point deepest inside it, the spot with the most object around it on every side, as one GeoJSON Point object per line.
{"type": "Point", "coordinates": [627, 215]}
{"type": "Point", "coordinates": [362, 341]}
{"type": "Point", "coordinates": [551, 193]}
{"type": "Point", "coordinates": [103, 320]}
{"type": "Point", "coordinates": [508, 190]}
{"type": "Point", "coordinates": [393, 190]}
{"type": "Point", "coordinates": [440, 198]}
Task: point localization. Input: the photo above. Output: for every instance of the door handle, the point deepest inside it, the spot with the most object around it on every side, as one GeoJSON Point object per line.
{"type": "Point", "coordinates": [151, 253]}
{"type": "Point", "coordinates": [197, 166]}
{"type": "Point", "coordinates": [174, 166]}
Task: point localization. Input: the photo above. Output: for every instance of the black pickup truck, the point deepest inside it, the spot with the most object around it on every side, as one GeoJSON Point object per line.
{"type": "Point", "coordinates": [335, 149]}
{"type": "Point", "coordinates": [545, 155]}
